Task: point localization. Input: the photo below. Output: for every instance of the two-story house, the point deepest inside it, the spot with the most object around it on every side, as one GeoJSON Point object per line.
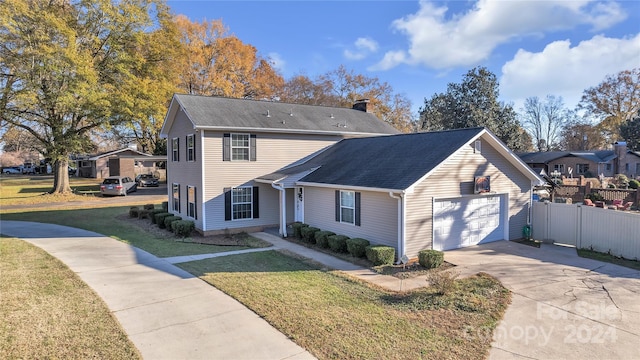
{"type": "Point", "coordinates": [242, 165]}
{"type": "Point", "coordinates": [217, 146]}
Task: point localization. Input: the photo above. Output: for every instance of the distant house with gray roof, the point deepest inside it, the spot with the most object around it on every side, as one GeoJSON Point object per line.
{"type": "Point", "coordinates": [243, 165]}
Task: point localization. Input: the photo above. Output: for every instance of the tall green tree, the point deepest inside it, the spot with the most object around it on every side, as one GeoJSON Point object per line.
{"type": "Point", "coordinates": [613, 102]}
{"type": "Point", "coordinates": [474, 102]}
{"type": "Point", "coordinates": [68, 68]}
{"type": "Point", "coordinates": [630, 132]}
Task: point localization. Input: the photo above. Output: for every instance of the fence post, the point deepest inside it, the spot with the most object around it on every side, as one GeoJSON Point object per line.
{"type": "Point", "coordinates": [579, 229]}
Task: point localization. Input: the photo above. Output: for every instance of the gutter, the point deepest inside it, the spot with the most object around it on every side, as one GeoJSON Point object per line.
{"type": "Point", "coordinates": [401, 223]}
{"type": "Point", "coordinates": [283, 209]}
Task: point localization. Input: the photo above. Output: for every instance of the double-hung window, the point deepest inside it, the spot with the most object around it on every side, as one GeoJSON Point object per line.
{"type": "Point", "coordinates": [176, 197]}
{"type": "Point", "coordinates": [191, 202]}
{"type": "Point", "coordinates": [240, 147]}
{"type": "Point", "coordinates": [242, 202]}
{"type": "Point", "coordinates": [348, 207]}
{"type": "Point", "coordinates": [191, 147]}
{"type": "Point", "coordinates": [175, 148]}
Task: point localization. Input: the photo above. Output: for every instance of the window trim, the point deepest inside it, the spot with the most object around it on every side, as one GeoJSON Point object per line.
{"type": "Point", "coordinates": [477, 147]}
{"type": "Point", "coordinates": [346, 207]}
{"type": "Point", "coordinates": [192, 200]}
{"type": "Point", "coordinates": [191, 150]}
{"type": "Point", "coordinates": [175, 203]}
{"type": "Point", "coordinates": [233, 204]}
{"type": "Point", "coordinates": [584, 166]}
{"type": "Point", "coordinates": [248, 147]}
{"type": "Point", "coordinates": [559, 167]}
{"type": "Point", "coordinates": [175, 149]}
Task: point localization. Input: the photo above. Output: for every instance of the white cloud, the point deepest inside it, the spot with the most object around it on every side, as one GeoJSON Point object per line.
{"type": "Point", "coordinates": [277, 61]}
{"type": "Point", "coordinates": [363, 47]}
{"type": "Point", "coordinates": [566, 71]}
{"type": "Point", "coordinates": [441, 40]}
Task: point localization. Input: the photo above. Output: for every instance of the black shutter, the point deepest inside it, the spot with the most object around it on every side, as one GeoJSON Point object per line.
{"type": "Point", "coordinates": [194, 147]}
{"type": "Point", "coordinates": [226, 147]}
{"type": "Point", "coordinates": [179, 198]}
{"type": "Point", "coordinates": [357, 209]}
{"type": "Point", "coordinates": [227, 204]}
{"type": "Point", "coordinates": [338, 205]}
{"type": "Point", "coordinates": [256, 202]}
{"type": "Point", "coordinates": [252, 147]}
{"type": "Point", "coordinates": [177, 149]}
{"type": "Point", "coordinates": [195, 202]}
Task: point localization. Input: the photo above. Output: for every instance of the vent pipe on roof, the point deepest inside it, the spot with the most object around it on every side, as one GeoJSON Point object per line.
{"type": "Point", "coordinates": [268, 114]}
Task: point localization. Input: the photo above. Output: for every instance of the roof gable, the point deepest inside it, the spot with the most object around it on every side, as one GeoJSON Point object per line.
{"type": "Point", "coordinates": [220, 113]}
{"type": "Point", "coordinates": [116, 152]}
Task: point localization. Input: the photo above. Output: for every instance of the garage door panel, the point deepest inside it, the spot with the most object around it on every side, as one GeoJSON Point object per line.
{"type": "Point", "coordinates": [468, 221]}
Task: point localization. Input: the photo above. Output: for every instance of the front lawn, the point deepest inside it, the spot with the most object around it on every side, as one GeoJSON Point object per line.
{"type": "Point", "coordinates": [47, 312]}
{"type": "Point", "coordinates": [23, 189]}
{"type": "Point", "coordinates": [586, 253]}
{"type": "Point", "coordinates": [337, 317]}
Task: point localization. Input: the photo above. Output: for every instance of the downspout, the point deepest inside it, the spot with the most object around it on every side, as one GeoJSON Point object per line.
{"type": "Point", "coordinates": [283, 209]}
{"type": "Point", "coordinates": [401, 211]}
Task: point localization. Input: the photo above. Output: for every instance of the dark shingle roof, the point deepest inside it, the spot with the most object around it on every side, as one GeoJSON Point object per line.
{"type": "Point", "coordinates": [386, 162]}
{"type": "Point", "coordinates": [226, 113]}
{"type": "Point", "coordinates": [545, 157]}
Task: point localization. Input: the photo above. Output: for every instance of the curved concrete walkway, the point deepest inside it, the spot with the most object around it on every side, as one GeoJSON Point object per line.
{"type": "Point", "coordinates": [167, 312]}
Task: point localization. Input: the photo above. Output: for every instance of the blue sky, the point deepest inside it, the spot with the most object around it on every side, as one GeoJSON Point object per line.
{"type": "Point", "coordinates": [535, 48]}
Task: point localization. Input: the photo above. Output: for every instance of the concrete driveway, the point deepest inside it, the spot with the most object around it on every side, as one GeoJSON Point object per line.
{"type": "Point", "coordinates": [564, 306]}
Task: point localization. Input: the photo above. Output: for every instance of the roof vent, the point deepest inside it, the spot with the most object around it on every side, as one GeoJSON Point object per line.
{"type": "Point", "coordinates": [331, 116]}
{"type": "Point", "coordinates": [291, 112]}
{"type": "Point", "coordinates": [268, 114]}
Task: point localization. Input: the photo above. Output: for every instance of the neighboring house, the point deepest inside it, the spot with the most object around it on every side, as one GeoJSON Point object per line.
{"type": "Point", "coordinates": [587, 163]}
{"type": "Point", "coordinates": [217, 147]}
{"type": "Point", "coordinates": [97, 166]}
{"type": "Point", "coordinates": [436, 190]}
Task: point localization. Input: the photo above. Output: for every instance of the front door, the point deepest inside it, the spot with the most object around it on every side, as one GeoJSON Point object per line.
{"type": "Point", "coordinates": [299, 201]}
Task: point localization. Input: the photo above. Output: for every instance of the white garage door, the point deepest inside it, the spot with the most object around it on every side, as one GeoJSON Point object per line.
{"type": "Point", "coordinates": [468, 221]}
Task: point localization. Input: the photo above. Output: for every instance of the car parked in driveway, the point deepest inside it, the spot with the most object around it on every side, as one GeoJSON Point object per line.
{"type": "Point", "coordinates": [117, 185]}
{"type": "Point", "coordinates": [147, 180]}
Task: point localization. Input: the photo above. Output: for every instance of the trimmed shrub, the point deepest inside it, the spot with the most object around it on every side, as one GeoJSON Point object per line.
{"type": "Point", "coordinates": [338, 243]}
{"type": "Point", "coordinates": [308, 234]}
{"type": "Point", "coordinates": [134, 211]}
{"type": "Point", "coordinates": [152, 214]}
{"type": "Point", "coordinates": [165, 206]}
{"type": "Point", "coordinates": [297, 229]}
{"type": "Point", "coordinates": [357, 247]}
{"type": "Point", "coordinates": [160, 219]}
{"type": "Point", "coordinates": [169, 219]}
{"type": "Point", "coordinates": [143, 214]}
{"type": "Point", "coordinates": [634, 184]}
{"type": "Point", "coordinates": [183, 227]}
{"type": "Point", "coordinates": [322, 238]}
{"type": "Point", "coordinates": [430, 258]}
{"type": "Point", "coordinates": [380, 254]}
{"type": "Point", "coordinates": [149, 207]}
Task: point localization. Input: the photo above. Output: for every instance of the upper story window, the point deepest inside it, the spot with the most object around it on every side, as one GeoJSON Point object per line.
{"type": "Point", "coordinates": [239, 147]}
{"type": "Point", "coordinates": [175, 149]}
{"type": "Point", "coordinates": [191, 147]}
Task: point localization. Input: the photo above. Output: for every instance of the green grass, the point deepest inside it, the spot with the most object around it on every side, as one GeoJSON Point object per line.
{"type": "Point", "coordinates": [47, 312]}
{"type": "Point", "coordinates": [337, 317]}
{"type": "Point", "coordinates": [104, 221]}
{"type": "Point", "coordinates": [586, 253]}
{"type": "Point", "coordinates": [22, 189]}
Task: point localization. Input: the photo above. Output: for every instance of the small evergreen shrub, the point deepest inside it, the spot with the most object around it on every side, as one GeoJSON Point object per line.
{"type": "Point", "coordinates": [338, 243]}
{"type": "Point", "coordinates": [430, 258]}
{"type": "Point", "coordinates": [634, 184]}
{"type": "Point", "coordinates": [297, 229]}
{"type": "Point", "coordinates": [357, 247]}
{"type": "Point", "coordinates": [152, 214]}
{"type": "Point", "coordinates": [380, 254]}
{"type": "Point", "coordinates": [160, 219]}
{"type": "Point", "coordinates": [168, 220]}
{"type": "Point", "coordinates": [143, 214]}
{"type": "Point", "coordinates": [134, 211]}
{"type": "Point", "coordinates": [165, 206]}
{"type": "Point", "coordinates": [183, 228]}
{"type": "Point", "coordinates": [149, 207]}
{"type": "Point", "coordinates": [322, 238]}
{"type": "Point", "coordinates": [308, 234]}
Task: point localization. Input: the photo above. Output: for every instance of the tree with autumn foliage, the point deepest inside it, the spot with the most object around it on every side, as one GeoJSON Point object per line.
{"type": "Point", "coordinates": [69, 68]}
{"type": "Point", "coordinates": [342, 87]}
{"type": "Point", "coordinates": [613, 102]}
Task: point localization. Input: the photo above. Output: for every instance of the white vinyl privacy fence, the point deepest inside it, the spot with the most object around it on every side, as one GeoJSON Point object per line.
{"type": "Point", "coordinates": [586, 227]}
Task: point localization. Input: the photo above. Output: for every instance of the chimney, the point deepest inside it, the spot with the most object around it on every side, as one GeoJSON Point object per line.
{"type": "Point", "coordinates": [620, 150]}
{"type": "Point", "coordinates": [362, 105]}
